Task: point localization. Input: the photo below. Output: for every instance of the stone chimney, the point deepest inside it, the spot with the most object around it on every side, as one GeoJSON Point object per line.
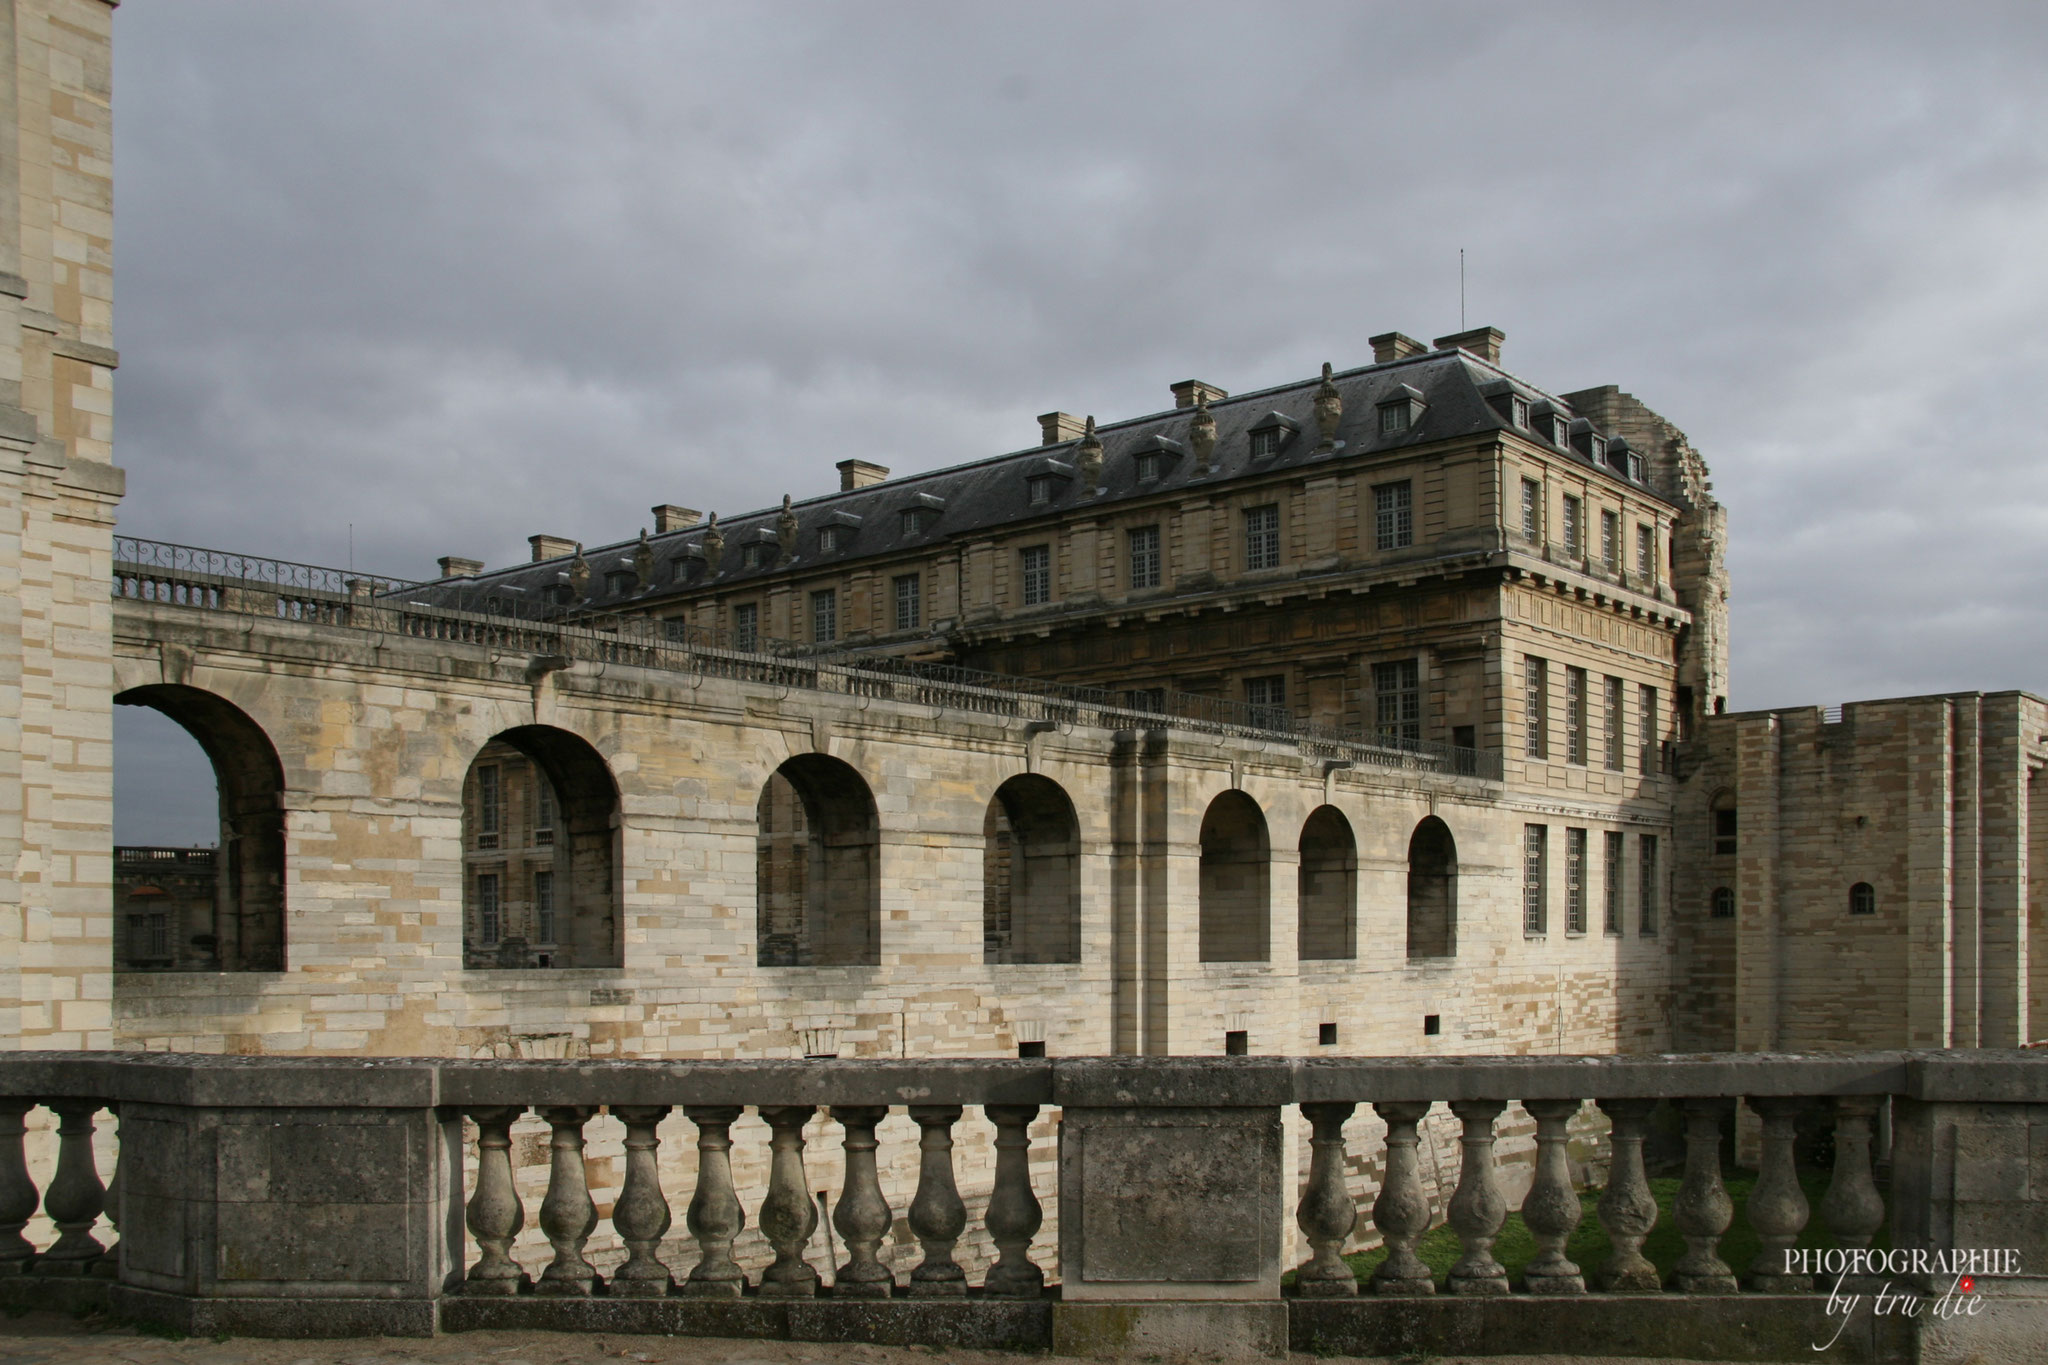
{"type": "Point", "coordinates": [1056, 428]}
{"type": "Point", "coordinates": [550, 547]}
{"type": "Point", "coordinates": [1483, 342]}
{"type": "Point", "coordinates": [669, 517]}
{"type": "Point", "coordinates": [1395, 346]}
{"type": "Point", "coordinates": [1189, 392]}
{"type": "Point", "coordinates": [859, 474]}
{"type": "Point", "coordinates": [455, 566]}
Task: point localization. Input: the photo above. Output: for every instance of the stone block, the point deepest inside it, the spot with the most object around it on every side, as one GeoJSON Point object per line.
{"type": "Point", "coordinates": [1169, 1329]}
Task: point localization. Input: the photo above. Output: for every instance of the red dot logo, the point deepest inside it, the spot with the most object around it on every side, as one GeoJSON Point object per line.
{"type": "Point", "coordinates": [1969, 1284]}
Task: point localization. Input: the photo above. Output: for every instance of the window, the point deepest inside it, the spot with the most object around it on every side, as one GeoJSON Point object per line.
{"type": "Point", "coordinates": [1532, 503]}
{"type": "Point", "coordinates": [683, 568]}
{"type": "Point", "coordinates": [1267, 696]}
{"type": "Point", "coordinates": [543, 811]}
{"type": "Point", "coordinates": [1265, 442]}
{"type": "Point", "coordinates": [1236, 1043]}
{"type": "Point", "coordinates": [619, 582]}
{"type": "Point", "coordinates": [159, 934]}
{"type": "Point", "coordinates": [909, 601]}
{"type": "Point", "coordinates": [746, 626]}
{"type": "Point", "coordinates": [1610, 537]}
{"type": "Point", "coordinates": [1535, 851]}
{"type": "Point", "coordinates": [1723, 903]}
{"type": "Point", "coordinates": [489, 923]}
{"type": "Point", "coordinates": [1724, 832]}
{"type": "Point", "coordinates": [918, 520]}
{"type": "Point", "coordinates": [1575, 715]}
{"type": "Point", "coordinates": [1036, 565]}
{"type": "Point", "coordinates": [1575, 881]}
{"type": "Point", "coordinates": [544, 907]}
{"type": "Point", "coordinates": [1614, 725]}
{"type": "Point", "coordinates": [1144, 545]}
{"type": "Point", "coordinates": [1574, 518]}
{"type": "Point", "coordinates": [1646, 707]}
{"type": "Point", "coordinates": [1611, 887]}
{"type": "Point", "coordinates": [1519, 408]}
{"type": "Point", "coordinates": [831, 538]}
{"type": "Point", "coordinates": [1397, 701]}
{"type": "Point", "coordinates": [1041, 490]}
{"type": "Point", "coordinates": [1145, 698]}
{"type": "Point", "coordinates": [1862, 899]}
{"type": "Point", "coordinates": [1536, 705]}
{"type": "Point", "coordinates": [1326, 1035]}
{"type": "Point", "coordinates": [489, 807]}
{"type": "Point", "coordinates": [1646, 552]}
{"type": "Point", "coordinates": [1635, 467]}
{"type": "Point", "coordinates": [824, 616]}
{"type": "Point", "coordinates": [755, 554]}
{"type": "Point", "coordinates": [1646, 848]}
{"type": "Point", "coordinates": [1393, 419]}
{"type": "Point", "coordinates": [1394, 514]}
{"type": "Point", "coordinates": [558, 594]}
{"type": "Point", "coordinates": [1432, 1025]}
{"type": "Point", "coordinates": [1262, 537]}
{"type": "Point", "coordinates": [1148, 466]}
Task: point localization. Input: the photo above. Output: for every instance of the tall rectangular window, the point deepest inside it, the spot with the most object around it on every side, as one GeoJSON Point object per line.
{"type": "Point", "coordinates": [1397, 701]}
{"type": "Point", "coordinates": [490, 925]}
{"type": "Point", "coordinates": [1725, 841]}
{"type": "Point", "coordinates": [1575, 715]}
{"type": "Point", "coordinates": [1646, 711]}
{"type": "Point", "coordinates": [544, 907]}
{"type": "Point", "coordinates": [1268, 695]}
{"type": "Point", "coordinates": [1393, 507]}
{"type": "Point", "coordinates": [1574, 531]}
{"type": "Point", "coordinates": [543, 810]}
{"type": "Point", "coordinates": [1646, 894]}
{"type": "Point", "coordinates": [909, 601]}
{"type": "Point", "coordinates": [825, 616]}
{"type": "Point", "coordinates": [1262, 537]}
{"type": "Point", "coordinates": [1532, 506]}
{"type": "Point", "coordinates": [1613, 709]}
{"type": "Point", "coordinates": [1535, 856]}
{"type": "Point", "coordinates": [1610, 888]}
{"type": "Point", "coordinates": [1575, 881]}
{"type": "Point", "coordinates": [1035, 568]}
{"type": "Point", "coordinates": [1646, 553]}
{"type": "Point", "coordinates": [1536, 705]}
{"type": "Point", "coordinates": [1610, 538]}
{"type": "Point", "coordinates": [746, 626]}
{"type": "Point", "coordinates": [1144, 547]}
{"type": "Point", "coordinates": [490, 813]}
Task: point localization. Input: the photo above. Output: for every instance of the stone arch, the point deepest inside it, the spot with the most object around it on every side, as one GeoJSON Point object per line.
{"type": "Point", "coordinates": [817, 866]}
{"type": "Point", "coordinates": [540, 854]}
{"type": "Point", "coordinates": [245, 928]}
{"type": "Point", "coordinates": [1236, 919]}
{"type": "Point", "coordinates": [1432, 890]}
{"type": "Point", "coordinates": [1328, 894]}
{"type": "Point", "coordinates": [1030, 880]}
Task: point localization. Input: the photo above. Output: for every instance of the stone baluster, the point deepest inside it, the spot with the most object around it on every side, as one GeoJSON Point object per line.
{"type": "Point", "coordinates": [495, 1214]}
{"type": "Point", "coordinates": [1777, 1206]}
{"type": "Point", "coordinates": [863, 1216]}
{"type": "Point", "coordinates": [1327, 1212]}
{"type": "Point", "coordinates": [1703, 1209]}
{"type": "Point", "coordinates": [1402, 1212]}
{"type": "Point", "coordinates": [641, 1215]}
{"type": "Point", "coordinates": [1014, 1216]}
{"type": "Point", "coordinates": [1551, 1209]}
{"type": "Point", "coordinates": [18, 1197]}
{"type": "Point", "coordinates": [567, 1215]}
{"type": "Point", "coordinates": [75, 1198]}
{"type": "Point", "coordinates": [936, 1214]}
{"type": "Point", "coordinates": [1627, 1208]}
{"type": "Point", "coordinates": [715, 1216]}
{"type": "Point", "coordinates": [1852, 1206]}
{"type": "Point", "coordinates": [1477, 1207]}
{"type": "Point", "coordinates": [788, 1217]}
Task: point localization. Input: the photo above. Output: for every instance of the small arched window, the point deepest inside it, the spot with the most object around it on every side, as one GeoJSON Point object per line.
{"type": "Point", "coordinates": [1863, 899]}
{"type": "Point", "coordinates": [1724, 903]}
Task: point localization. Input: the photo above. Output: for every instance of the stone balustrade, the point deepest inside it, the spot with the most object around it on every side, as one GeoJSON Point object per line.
{"type": "Point", "coordinates": [325, 1196]}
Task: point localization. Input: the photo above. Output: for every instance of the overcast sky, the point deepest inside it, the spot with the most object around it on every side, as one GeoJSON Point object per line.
{"type": "Point", "coordinates": [457, 273]}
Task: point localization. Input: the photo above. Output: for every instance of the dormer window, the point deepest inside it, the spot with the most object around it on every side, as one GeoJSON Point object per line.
{"type": "Point", "coordinates": [1393, 419]}
{"type": "Point", "coordinates": [1148, 466]}
{"type": "Point", "coordinates": [1401, 410]}
{"type": "Point", "coordinates": [1519, 408]}
{"type": "Point", "coordinates": [1271, 435]}
{"type": "Point", "coordinates": [1560, 430]}
{"type": "Point", "coordinates": [834, 538]}
{"type": "Point", "coordinates": [754, 555]}
{"type": "Point", "coordinates": [1635, 467]}
{"type": "Point", "coordinates": [619, 582]}
{"type": "Point", "coordinates": [685, 567]}
{"type": "Point", "coordinates": [558, 594]}
{"type": "Point", "coordinates": [918, 520]}
{"type": "Point", "coordinates": [1041, 489]}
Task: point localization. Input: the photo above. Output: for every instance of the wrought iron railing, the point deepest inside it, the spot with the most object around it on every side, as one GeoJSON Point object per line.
{"type": "Point", "coordinates": [150, 571]}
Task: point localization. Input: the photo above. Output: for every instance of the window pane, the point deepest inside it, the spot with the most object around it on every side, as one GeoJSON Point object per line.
{"type": "Point", "coordinates": [1532, 500]}
{"type": "Point", "coordinates": [1613, 883]}
{"type": "Point", "coordinates": [1575, 881]}
{"type": "Point", "coordinates": [1394, 514]}
{"type": "Point", "coordinates": [1036, 567]}
{"type": "Point", "coordinates": [1535, 839]}
{"type": "Point", "coordinates": [1647, 896]}
{"type": "Point", "coordinates": [1535, 705]}
{"type": "Point", "coordinates": [825, 616]}
{"type": "Point", "coordinates": [1262, 537]}
{"type": "Point", "coordinates": [1614, 704]}
{"type": "Point", "coordinates": [746, 626]}
{"type": "Point", "coordinates": [1397, 701]}
{"type": "Point", "coordinates": [909, 601]}
{"type": "Point", "coordinates": [1145, 557]}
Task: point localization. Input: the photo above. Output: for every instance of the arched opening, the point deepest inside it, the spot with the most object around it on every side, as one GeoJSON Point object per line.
{"type": "Point", "coordinates": [187, 907]}
{"type": "Point", "coordinates": [540, 837]}
{"type": "Point", "coordinates": [1030, 874]}
{"type": "Point", "coordinates": [1329, 886]}
{"type": "Point", "coordinates": [1235, 853]}
{"type": "Point", "coordinates": [1432, 890]}
{"type": "Point", "coordinates": [818, 897]}
{"type": "Point", "coordinates": [1863, 899]}
{"type": "Point", "coordinates": [1723, 905]}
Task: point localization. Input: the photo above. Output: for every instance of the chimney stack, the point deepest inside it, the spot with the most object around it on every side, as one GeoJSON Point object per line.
{"type": "Point", "coordinates": [859, 474]}
{"type": "Point", "coordinates": [1395, 346]}
{"type": "Point", "coordinates": [1189, 392]}
{"type": "Point", "coordinates": [455, 566]}
{"type": "Point", "coordinates": [550, 547]}
{"type": "Point", "coordinates": [1057, 428]}
{"type": "Point", "coordinates": [669, 517]}
{"type": "Point", "coordinates": [1483, 342]}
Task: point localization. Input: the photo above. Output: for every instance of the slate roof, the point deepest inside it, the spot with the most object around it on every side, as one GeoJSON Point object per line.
{"type": "Point", "coordinates": [1463, 395]}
